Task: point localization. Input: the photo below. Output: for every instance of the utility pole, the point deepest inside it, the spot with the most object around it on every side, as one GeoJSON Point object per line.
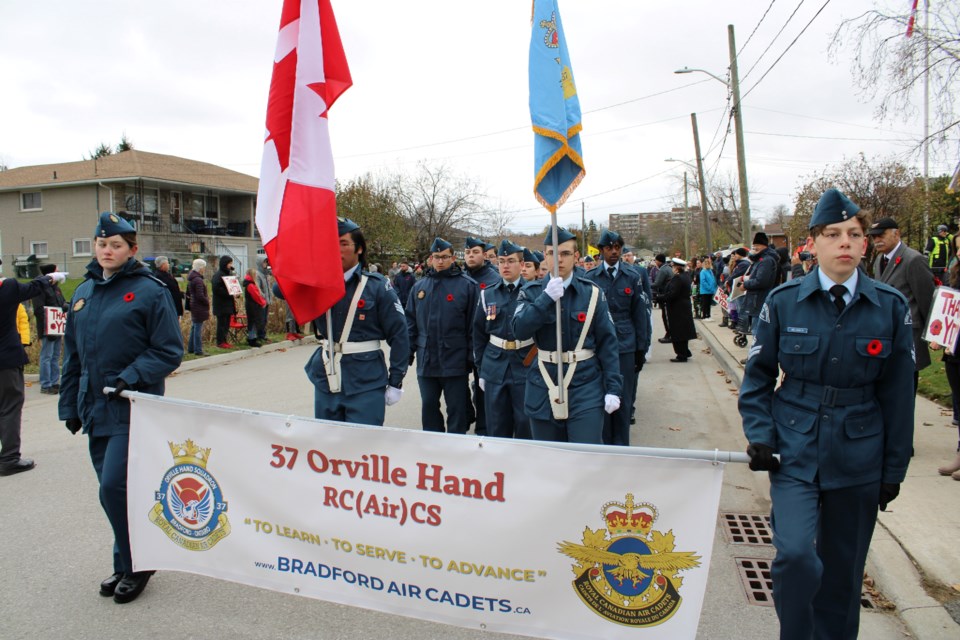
{"type": "Point", "coordinates": [703, 186]}
{"type": "Point", "coordinates": [686, 220]}
{"type": "Point", "coordinates": [926, 121]}
{"type": "Point", "coordinates": [583, 226]}
{"type": "Point", "coordinates": [738, 122]}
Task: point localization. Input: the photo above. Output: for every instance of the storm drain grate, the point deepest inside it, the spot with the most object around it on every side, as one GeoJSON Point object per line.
{"type": "Point", "coordinates": [747, 528]}
{"type": "Point", "coordinates": [757, 583]}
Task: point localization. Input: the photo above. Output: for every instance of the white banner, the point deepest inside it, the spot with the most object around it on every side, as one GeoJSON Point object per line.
{"type": "Point", "coordinates": [943, 323]}
{"type": "Point", "coordinates": [484, 533]}
{"type": "Point", "coordinates": [55, 320]}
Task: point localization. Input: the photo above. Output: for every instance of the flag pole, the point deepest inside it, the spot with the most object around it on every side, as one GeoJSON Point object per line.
{"type": "Point", "coordinates": [561, 392]}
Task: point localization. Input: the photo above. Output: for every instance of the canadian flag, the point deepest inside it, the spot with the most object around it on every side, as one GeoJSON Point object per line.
{"type": "Point", "coordinates": [296, 202]}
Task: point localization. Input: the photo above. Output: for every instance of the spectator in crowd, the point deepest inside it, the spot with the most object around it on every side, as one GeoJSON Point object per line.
{"type": "Point", "coordinates": [841, 419]}
{"type": "Point", "coordinates": [440, 324]}
{"type": "Point", "coordinates": [403, 282]}
{"type": "Point", "coordinates": [739, 264]}
{"type": "Point", "coordinates": [12, 358]}
{"type": "Point", "coordinates": [198, 305]}
{"type": "Point", "coordinates": [707, 288]}
{"type": "Point", "coordinates": [355, 385]}
{"type": "Point", "coordinates": [122, 300]}
{"type": "Point", "coordinates": [938, 251]}
{"type": "Point", "coordinates": [253, 304]}
{"type": "Point", "coordinates": [664, 274]}
{"type": "Point", "coordinates": [49, 344]}
{"type": "Point", "coordinates": [263, 283]}
{"type": "Point", "coordinates": [588, 351]}
{"type": "Point", "coordinates": [224, 305]}
{"type": "Point", "coordinates": [676, 300]}
{"type": "Point", "coordinates": [163, 275]}
{"type": "Point", "coordinates": [951, 365]}
{"type": "Point", "coordinates": [760, 278]}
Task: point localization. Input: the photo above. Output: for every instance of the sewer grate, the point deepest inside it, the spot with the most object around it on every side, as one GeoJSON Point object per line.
{"type": "Point", "coordinates": [747, 528]}
{"type": "Point", "coordinates": [757, 583]}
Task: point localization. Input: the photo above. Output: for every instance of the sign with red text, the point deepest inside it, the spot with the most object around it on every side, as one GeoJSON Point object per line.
{"type": "Point", "coordinates": [55, 321]}
{"type": "Point", "coordinates": [720, 297]}
{"type": "Point", "coordinates": [943, 324]}
{"type": "Point", "coordinates": [484, 533]}
{"type": "Point", "coordinates": [233, 285]}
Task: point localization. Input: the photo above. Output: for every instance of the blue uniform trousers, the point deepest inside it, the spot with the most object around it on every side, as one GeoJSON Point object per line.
{"type": "Point", "coordinates": [616, 425]}
{"type": "Point", "coordinates": [455, 395]}
{"type": "Point", "coordinates": [366, 407]}
{"type": "Point", "coordinates": [505, 415]}
{"type": "Point", "coordinates": [816, 589]}
{"type": "Point", "coordinates": [109, 457]}
{"type": "Point", "coordinates": [586, 428]}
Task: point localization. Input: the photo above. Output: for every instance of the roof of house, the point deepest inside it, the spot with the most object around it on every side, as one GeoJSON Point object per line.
{"type": "Point", "coordinates": [125, 166]}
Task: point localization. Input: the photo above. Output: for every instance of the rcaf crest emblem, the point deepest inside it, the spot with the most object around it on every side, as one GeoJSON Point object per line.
{"type": "Point", "coordinates": [190, 507]}
{"type": "Point", "coordinates": [629, 574]}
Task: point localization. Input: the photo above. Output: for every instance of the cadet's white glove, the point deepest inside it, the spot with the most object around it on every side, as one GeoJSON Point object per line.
{"type": "Point", "coordinates": [58, 278]}
{"type": "Point", "coordinates": [554, 289]}
{"type": "Point", "coordinates": [482, 384]}
{"type": "Point", "coordinates": [392, 396]}
{"type": "Point", "coordinates": [611, 403]}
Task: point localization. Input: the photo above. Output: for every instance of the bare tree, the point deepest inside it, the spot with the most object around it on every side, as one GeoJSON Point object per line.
{"type": "Point", "coordinates": [494, 224]}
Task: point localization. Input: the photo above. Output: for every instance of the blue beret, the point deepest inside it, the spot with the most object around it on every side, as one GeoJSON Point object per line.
{"type": "Point", "coordinates": [562, 236]}
{"type": "Point", "coordinates": [588, 259]}
{"type": "Point", "coordinates": [507, 248]}
{"type": "Point", "coordinates": [487, 246]}
{"type": "Point", "coordinates": [346, 225]}
{"type": "Point", "coordinates": [439, 244]}
{"type": "Point", "coordinates": [530, 256]}
{"type": "Point", "coordinates": [609, 238]}
{"type": "Point", "coordinates": [538, 256]}
{"type": "Point", "coordinates": [110, 224]}
{"type": "Point", "coordinates": [475, 242]}
{"type": "Point", "coordinates": [833, 207]}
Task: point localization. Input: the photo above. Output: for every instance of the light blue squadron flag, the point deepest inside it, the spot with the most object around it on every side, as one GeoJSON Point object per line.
{"type": "Point", "coordinates": [554, 110]}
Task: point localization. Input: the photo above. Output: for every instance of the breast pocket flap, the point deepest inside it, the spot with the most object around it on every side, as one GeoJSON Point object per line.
{"type": "Point", "coordinates": [799, 344]}
{"type": "Point", "coordinates": [862, 426]}
{"type": "Point", "coordinates": [793, 418]}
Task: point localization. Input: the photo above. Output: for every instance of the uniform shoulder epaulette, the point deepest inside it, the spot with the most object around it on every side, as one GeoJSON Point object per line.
{"type": "Point", "coordinates": [464, 274]}
{"type": "Point", "coordinates": [374, 275]}
{"type": "Point", "coordinates": [883, 287]}
{"type": "Point", "coordinates": [586, 279]}
{"type": "Point", "coordinates": [789, 284]}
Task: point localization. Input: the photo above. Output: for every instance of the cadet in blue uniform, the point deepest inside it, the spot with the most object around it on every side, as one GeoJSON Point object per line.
{"type": "Point", "coordinates": [590, 351]}
{"type": "Point", "coordinates": [440, 323]}
{"type": "Point", "coordinates": [122, 331]}
{"type": "Point", "coordinates": [531, 266]}
{"type": "Point", "coordinates": [356, 386]}
{"type": "Point", "coordinates": [485, 275]}
{"type": "Point", "coordinates": [629, 308]}
{"type": "Point", "coordinates": [841, 420]}
{"type": "Point", "coordinates": [500, 358]}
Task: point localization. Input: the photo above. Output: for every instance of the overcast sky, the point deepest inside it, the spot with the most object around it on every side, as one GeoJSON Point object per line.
{"type": "Point", "coordinates": [447, 82]}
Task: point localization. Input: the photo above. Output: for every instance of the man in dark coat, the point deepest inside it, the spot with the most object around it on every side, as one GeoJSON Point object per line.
{"type": "Point", "coordinates": [49, 345]}
{"type": "Point", "coordinates": [403, 282]}
{"type": "Point", "coordinates": [163, 275]}
{"type": "Point", "coordinates": [223, 303]}
{"type": "Point", "coordinates": [676, 303]}
{"type": "Point", "coordinates": [664, 273]}
{"type": "Point", "coordinates": [760, 278]}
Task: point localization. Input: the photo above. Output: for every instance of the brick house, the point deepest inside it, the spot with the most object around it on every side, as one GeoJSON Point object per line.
{"type": "Point", "coordinates": [182, 208]}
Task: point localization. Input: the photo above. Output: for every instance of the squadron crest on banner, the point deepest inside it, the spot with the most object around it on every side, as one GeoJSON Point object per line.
{"type": "Point", "coordinates": [629, 574]}
{"type": "Point", "coordinates": [190, 508]}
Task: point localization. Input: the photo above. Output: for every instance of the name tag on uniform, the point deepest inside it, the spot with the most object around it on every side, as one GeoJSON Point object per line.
{"type": "Point", "coordinates": [797, 330]}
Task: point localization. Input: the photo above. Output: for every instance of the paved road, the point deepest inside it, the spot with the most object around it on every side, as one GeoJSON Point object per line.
{"type": "Point", "coordinates": [56, 541]}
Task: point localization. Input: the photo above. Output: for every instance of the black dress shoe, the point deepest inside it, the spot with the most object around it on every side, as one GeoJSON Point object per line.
{"type": "Point", "coordinates": [131, 586]}
{"type": "Point", "coordinates": [665, 340]}
{"type": "Point", "coordinates": [23, 464]}
{"type": "Point", "coordinates": [108, 586]}
{"type": "Point", "coordinates": [678, 359]}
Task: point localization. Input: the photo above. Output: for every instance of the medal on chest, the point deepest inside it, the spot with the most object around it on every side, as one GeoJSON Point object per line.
{"type": "Point", "coordinates": [491, 311]}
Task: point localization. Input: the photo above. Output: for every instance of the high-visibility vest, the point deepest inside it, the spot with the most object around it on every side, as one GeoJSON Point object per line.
{"type": "Point", "coordinates": [935, 255]}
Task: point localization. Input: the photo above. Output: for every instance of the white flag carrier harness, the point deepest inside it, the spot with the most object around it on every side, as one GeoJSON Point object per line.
{"type": "Point", "coordinates": [342, 346]}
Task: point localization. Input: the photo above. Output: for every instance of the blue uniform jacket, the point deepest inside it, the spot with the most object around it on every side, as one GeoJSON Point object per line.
{"type": "Point", "coordinates": [379, 316]}
{"type": "Point", "coordinates": [440, 322]}
{"type": "Point", "coordinates": [535, 318]}
{"type": "Point", "coordinates": [493, 362]}
{"type": "Point", "coordinates": [485, 276]}
{"type": "Point", "coordinates": [628, 305]}
{"type": "Point", "coordinates": [843, 415]}
{"type": "Point", "coordinates": [645, 283]}
{"type": "Point", "coordinates": [122, 328]}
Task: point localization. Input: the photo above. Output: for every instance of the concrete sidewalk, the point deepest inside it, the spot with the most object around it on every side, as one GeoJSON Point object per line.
{"type": "Point", "coordinates": [913, 556]}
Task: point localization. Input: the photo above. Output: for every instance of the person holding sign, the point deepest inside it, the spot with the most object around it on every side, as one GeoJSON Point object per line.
{"type": "Point", "coordinates": [49, 309]}
{"type": "Point", "coordinates": [841, 421]}
{"type": "Point", "coordinates": [223, 302]}
{"type": "Point", "coordinates": [951, 365]}
{"type": "Point", "coordinates": [122, 332]}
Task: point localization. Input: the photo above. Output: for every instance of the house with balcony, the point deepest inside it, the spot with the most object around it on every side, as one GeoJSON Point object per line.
{"type": "Point", "coordinates": [180, 207]}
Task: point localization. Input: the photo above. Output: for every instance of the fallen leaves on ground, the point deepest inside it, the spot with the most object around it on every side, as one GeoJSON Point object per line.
{"type": "Point", "coordinates": [675, 428]}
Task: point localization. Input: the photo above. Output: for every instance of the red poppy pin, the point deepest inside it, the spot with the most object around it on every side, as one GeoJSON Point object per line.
{"type": "Point", "coordinates": [874, 347]}
{"type": "Point", "coordinates": [628, 291]}
{"type": "Point", "coordinates": [449, 297]}
{"type": "Point", "coordinates": [128, 297]}
{"type": "Point", "coordinates": [582, 317]}
{"type": "Point", "coordinates": [897, 261]}
{"type": "Point", "coordinates": [361, 303]}
{"type": "Point", "coordinates": [483, 285]}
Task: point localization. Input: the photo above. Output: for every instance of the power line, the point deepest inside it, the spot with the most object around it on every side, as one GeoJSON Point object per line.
{"type": "Point", "coordinates": [789, 18]}
{"type": "Point", "coordinates": [744, 46]}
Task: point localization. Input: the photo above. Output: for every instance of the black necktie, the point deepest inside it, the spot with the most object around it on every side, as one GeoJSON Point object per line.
{"type": "Point", "coordinates": [511, 287]}
{"type": "Point", "coordinates": [838, 290]}
{"type": "Point", "coordinates": [611, 271]}
{"type": "Point", "coordinates": [883, 264]}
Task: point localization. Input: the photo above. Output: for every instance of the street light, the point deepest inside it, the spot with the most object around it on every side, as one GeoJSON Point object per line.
{"type": "Point", "coordinates": [734, 87]}
{"type": "Point", "coordinates": [703, 201]}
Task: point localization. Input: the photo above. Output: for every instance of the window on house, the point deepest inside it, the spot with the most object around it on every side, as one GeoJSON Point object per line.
{"type": "Point", "coordinates": [82, 247]}
{"type": "Point", "coordinates": [146, 203]}
{"type": "Point", "coordinates": [30, 201]}
{"type": "Point", "coordinates": [39, 249]}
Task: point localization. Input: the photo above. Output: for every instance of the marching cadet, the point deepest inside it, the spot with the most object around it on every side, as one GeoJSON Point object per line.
{"type": "Point", "coordinates": [490, 252]}
{"type": "Point", "coordinates": [502, 360]}
{"type": "Point", "coordinates": [440, 324]}
{"type": "Point", "coordinates": [591, 373]}
{"type": "Point", "coordinates": [475, 256]}
{"type": "Point", "coordinates": [531, 266]}
{"type": "Point", "coordinates": [544, 266]}
{"type": "Point", "coordinates": [621, 284]}
{"type": "Point", "coordinates": [841, 420]}
{"type": "Point", "coordinates": [354, 384]}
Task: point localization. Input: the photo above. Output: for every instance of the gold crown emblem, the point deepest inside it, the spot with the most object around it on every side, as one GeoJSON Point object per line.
{"type": "Point", "coordinates": [628, 518]}
{"type": "Point", "coordinates": [189, 453]}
